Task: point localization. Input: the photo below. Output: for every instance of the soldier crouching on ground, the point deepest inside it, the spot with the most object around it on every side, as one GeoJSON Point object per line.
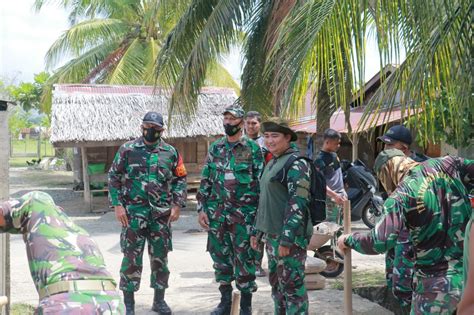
{"type": "Point", "coordinates": [66, 265]}
{"type": "Point", "coordinates": [147, 188]}
{"type": "Point", "coordinates": [282, 217]}
{"type": "Point", "coordinates": [431, 200]}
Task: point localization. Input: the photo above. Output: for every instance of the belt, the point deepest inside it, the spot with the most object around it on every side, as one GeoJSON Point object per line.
{"type": "Point", "coordinates": [76, 285]}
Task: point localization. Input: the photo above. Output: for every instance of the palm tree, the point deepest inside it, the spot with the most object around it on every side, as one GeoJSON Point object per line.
{"type": "Point", "coordinates": [296, 47]}
{"type": "Point", "coordinates": [116, 42]}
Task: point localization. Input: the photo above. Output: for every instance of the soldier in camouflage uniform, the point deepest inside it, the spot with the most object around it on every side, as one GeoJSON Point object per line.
{"type": "Point", "coordinates": [147, 188]}
{"type": "Point", "coordinates": [282, 217]}
{"type": "Point", "coordinates": [399, 265]}
{"type": "Point", "coordinates": [430, 199]}
{"type": "Point", "coordinates": [227, 203]}
{"type": "Point", "coordinates": [66, 265]}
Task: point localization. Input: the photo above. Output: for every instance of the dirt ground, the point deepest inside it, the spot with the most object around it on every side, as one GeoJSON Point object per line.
{"type": "Point", "coordinates": [192, 286]}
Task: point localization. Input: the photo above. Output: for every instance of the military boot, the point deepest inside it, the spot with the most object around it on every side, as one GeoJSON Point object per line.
{"type": "Point", "coordinates": [129, 301]}
{"type": "Point", "coordinates": [246, 303]}
{"type": "Point", "coordinates": [226, 300]}
{"type": "Point", "coordinates": [159, 304]}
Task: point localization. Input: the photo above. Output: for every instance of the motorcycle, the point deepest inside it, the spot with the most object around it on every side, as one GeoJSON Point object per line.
{"type": "Point", "coordinates": [361, 186]}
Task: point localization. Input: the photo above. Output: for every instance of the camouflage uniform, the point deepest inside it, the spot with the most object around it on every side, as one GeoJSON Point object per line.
{"type": "Point", "coordinates": [431, 201]}
{"type": "Point", "coordinates": [59, 250]}
{"type": "Point", "coordinates": [147, 181]}
{"type": "Point", "coordinates": [283, 218]}
{"type": "Point", "coordinates": [228, 194]}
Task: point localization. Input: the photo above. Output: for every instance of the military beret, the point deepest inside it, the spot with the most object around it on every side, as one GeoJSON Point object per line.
{"type": "Point", "coordinates": [277, 124]}
{"type": "Point", "coordinates": [384, 157]}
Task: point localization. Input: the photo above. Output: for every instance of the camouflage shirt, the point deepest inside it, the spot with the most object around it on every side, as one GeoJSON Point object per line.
{"type": "Point", "coordinates": [432, 201]}
{"type": "Point", "coordinates": [229, 183]}
{"type": "Point", "coordinates": [150, 176]}
{"type": "Point", "coordinates": [56, 247]}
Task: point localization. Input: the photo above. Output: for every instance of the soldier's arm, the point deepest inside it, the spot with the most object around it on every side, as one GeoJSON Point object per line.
{"type": "Point", "coordinates": [383, 236]}
{"type": "Point", "coordinates": [115, 177]}
{"type": "Point", "coordinates": [178, 183]}
{"type": "Point", "coordinates": [298, 181]}
{"type": "Point", "coordinates": [257, 168]}
{"type": "Point", "coordinates": [205, 186]}
{"type": "Point", "coordinates": [467, 173]}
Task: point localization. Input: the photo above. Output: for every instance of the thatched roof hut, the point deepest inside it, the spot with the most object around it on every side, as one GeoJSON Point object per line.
{"type": "Point", "coordinates": [94, 114]}
{"type": "Point", "coordinates": [99, 118]}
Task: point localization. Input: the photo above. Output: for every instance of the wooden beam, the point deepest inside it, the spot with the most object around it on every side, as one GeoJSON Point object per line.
{"type": "Point", "coordinates": [347, 262]}
{"type": "Point", "coordinates": [85, 175]}
{"type": "Point", "coordinates": [4, 195]}
{"type": "Point", "coordinates": [90, 144]}
{"type": "Point", "coordinates": [355, 146]}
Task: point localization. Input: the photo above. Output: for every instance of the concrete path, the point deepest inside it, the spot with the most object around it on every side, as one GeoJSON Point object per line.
{"type": "Point", "coordinates": [192, 287]}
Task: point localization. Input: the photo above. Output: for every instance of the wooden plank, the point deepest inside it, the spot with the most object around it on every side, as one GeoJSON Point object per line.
{"type": "Point", "coordinates": [347, 262]}
{"type": "Point", "coordinates": [4, 194]}
{"type": "Point", "coordinates": [85, 174]}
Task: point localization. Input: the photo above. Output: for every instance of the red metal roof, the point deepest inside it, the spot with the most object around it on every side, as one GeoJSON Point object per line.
{"type": "Point", "coordinates": [338, 123]}
{"type": "Point", "coordinates": [127, 89]}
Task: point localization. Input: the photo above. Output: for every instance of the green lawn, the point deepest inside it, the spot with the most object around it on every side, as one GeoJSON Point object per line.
{"type": "Point", "coordinates": [360, 278]}
{"type": "Point", "coordinates": [31, 146]}
{"type": "Point", "coordinates": [22, 309]}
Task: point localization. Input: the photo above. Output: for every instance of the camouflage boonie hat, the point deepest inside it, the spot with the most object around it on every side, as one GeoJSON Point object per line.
{"type": "Point", "coordinates": [384, 157]}
{"type": "Point", "coordinates": [277, 124]}
{"type": "Point", "coordinates": [235, 110]}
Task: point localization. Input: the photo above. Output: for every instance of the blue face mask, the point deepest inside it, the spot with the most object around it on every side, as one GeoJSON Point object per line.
{"type": "Point", "coordinates": [151, 134]}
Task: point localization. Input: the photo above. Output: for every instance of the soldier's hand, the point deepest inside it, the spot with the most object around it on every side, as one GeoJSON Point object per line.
{"type": "Point", "coordinates": [203, 220]}
{"type": "Point", "coordinates": [254, 242]}
{"type": "Point", "coordinates": [283, 251]}
{"type": "Point", "coordinates": [339, 199]}
{"type": "Point", "coordinates": [340, 243]}
{"type": "Point", "coordinates": [121, 215]}
{"type": "Point", "coordinates": [175, 211]}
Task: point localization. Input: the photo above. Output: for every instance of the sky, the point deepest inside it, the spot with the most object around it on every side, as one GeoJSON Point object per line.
{"type": "Point", "coordinates": [25, 37]}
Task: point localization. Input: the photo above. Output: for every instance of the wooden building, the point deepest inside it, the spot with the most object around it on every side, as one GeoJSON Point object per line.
{"type": "Point", "coordinates": [97, 119]}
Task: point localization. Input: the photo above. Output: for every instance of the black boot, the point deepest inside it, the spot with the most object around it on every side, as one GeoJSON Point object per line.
{"type": "Point", "coordinates": [129, 301]}
{"type": "Point", "coordinates": [159, 304]}
{"type": "Point", "coordinates": [226, 300]}
{"type": "Point", "coordinates": [246, 303]}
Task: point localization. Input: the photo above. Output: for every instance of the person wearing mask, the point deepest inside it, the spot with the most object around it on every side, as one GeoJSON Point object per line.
{"type": "Point", "coordinates": [227, 204]}
{"type": "Point", "coordinates": [147, 188]}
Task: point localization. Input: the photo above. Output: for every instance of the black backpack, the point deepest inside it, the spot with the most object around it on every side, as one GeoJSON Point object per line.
{"type": "Point", "coordinates": [317, 205]}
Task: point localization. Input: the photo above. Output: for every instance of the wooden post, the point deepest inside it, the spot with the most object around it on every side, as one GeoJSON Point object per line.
{"type": "Point", "coordinates": [4, 194]}
{"type": "Point", "coordinates": [355, 146]}
{"type": "Point", "coordinates": [85, 175]}
{"type": "Point", "coordinates": [347, 262]}
{"type": "Point", "coordinates": [38, 145]}
{"type": "Point", "coordinates": [235, 309]}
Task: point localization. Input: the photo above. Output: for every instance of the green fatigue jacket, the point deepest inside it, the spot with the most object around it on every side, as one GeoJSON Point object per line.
{"type": "Point", "coordinates": [147, 176]}
{"type": "Point", "coordinates": [229, 180]}
{"type": "Point", "coordinates": [57, 249]}
{"type": "Point", "coordinates": [283, 211]}
{"type": "Point", "coordinates": [433, 203]}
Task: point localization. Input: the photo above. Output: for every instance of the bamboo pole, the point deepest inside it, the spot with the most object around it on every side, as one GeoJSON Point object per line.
{"type": "Point", "coordinates": [347, 262]}
{"type": "Point", "coordinates": [235, 309]}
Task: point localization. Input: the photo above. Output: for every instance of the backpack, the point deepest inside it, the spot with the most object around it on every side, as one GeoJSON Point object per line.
{"type": "Point", "coordinates": [317, 204]}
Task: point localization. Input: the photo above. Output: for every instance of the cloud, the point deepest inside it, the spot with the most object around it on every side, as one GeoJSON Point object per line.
{"type": "Point", "coordinates": [25, 37]}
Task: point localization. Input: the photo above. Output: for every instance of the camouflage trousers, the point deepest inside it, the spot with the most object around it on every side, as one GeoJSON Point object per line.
{"type": "Point", "coordinates": [228, 244]}
{"type": "Point", "coordinates": [82, 303]}
{"type": "Point", "coordinates": [286, 275]}
{"type": "Point", "coordinates": [399, 271]}
{"type": "Point", "coordinates": [436, 295]}
{"type": "Point", "coordinates": [258, 254]}
{"type": "Point", "coordinates": [150, 226]}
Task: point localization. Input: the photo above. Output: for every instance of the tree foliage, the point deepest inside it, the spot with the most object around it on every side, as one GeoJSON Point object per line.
{"type": "Point", "coordinates": [28, 94]}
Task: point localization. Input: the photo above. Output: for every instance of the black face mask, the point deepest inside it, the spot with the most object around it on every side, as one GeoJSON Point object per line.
{"type": "Point", "coordinates": [231, 130]}
{"type": "Point", "coordinates": [151, 134]}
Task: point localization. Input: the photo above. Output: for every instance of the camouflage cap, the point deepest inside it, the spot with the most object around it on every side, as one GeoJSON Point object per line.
{"type": "Point", "coordinates": [384, 157]}
{"type": "Point", "coordinates": [277, 124]}
{"type": "Point", "coordinates": [235, 110]}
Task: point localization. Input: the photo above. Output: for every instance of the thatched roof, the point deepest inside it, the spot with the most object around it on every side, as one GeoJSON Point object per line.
{"type": "Point", "coordinates": [98, 113]}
